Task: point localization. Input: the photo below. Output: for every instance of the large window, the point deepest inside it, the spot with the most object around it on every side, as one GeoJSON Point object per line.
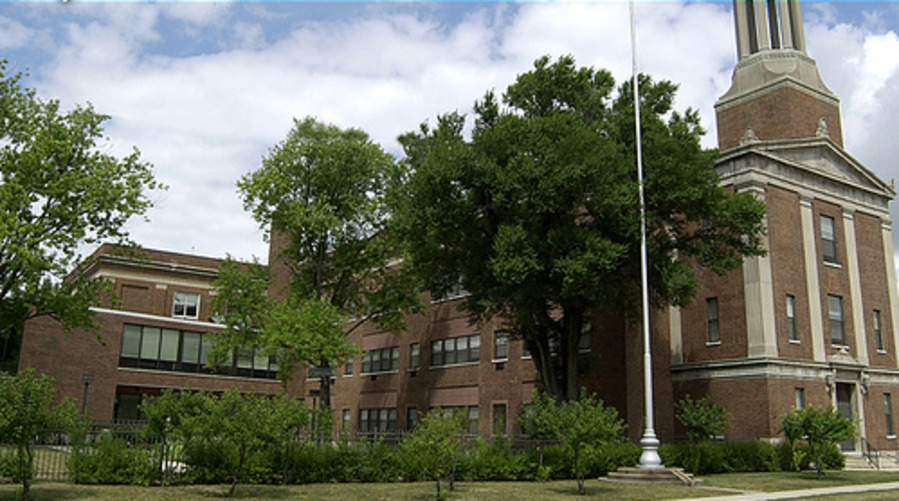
{"type": "Point", "coordinates": [791, 318]}
{"type": "Point", "coordinates": [713, 330]}
{"type": "Point", "coordinates": [185, 351]}
{"type": "Point", "coordinates": [469, 413]}
{"type": "Point", "coordinates": [835, 314]}
{"type": "Point", "coordinates": [456, 350]}
{"type": "Point", "coordinates": [500, 345]}
{"type": "Point", "coordinates": [377, 420]}
{"type": "Point", "coordinates": [888, 413]}
{"type": "Point", "coordinates": [414, 356]}
{"type": "Point", "coordinates": [186, 305]}
{"type": "Point", "coordinates": [828, 240]}
{"type": "Point", "coordinates": [381, 360]}
{"type": "Point", "coordinates": [499, 419]}
{"type": "Point", "coordinates": [585, 341]}
{"type": "Point", "coordinates": [799, 395]}
{"type": "Point", "coordinates": [878, 331]}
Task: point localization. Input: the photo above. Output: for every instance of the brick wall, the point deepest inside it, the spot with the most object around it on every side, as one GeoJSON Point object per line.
{"type": "Point", "coordinates": [781, 113]}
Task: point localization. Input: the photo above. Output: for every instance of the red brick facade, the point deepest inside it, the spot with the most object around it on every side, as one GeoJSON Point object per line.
{"type": "Point", "coordinates": [146, 284]}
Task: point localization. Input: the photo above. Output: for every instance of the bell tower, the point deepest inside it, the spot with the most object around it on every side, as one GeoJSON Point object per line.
{"type": "Point", "coordinates": [776, 92]}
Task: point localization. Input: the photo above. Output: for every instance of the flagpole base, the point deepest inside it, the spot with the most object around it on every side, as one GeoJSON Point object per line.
{"type": "Point", "coordinates": [650, 459]}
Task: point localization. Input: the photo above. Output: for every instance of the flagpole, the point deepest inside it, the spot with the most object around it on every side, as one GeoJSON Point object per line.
{"type": "Point", "coordinates": [649, 459]}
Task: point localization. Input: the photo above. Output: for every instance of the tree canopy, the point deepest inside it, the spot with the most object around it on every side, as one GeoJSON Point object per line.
{"type": "Point", "coordinates": [536, 211]}
{"type": "Point", "coordinates": [59, 190]}
{"type": "Point", "coordinates": [320, 196]}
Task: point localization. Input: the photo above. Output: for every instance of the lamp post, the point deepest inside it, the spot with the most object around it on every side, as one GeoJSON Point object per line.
{"type": "Point", "coordinates": [649, 459]}
{"type": "Point", "coordinates": [86, 378]}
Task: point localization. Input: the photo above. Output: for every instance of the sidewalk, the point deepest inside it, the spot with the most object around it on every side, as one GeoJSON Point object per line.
{"type": "Point", "coordinates": [824, 491]}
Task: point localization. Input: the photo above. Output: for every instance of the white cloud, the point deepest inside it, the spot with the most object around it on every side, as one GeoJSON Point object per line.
{"type": "Point", "coordinates": [206, 116]}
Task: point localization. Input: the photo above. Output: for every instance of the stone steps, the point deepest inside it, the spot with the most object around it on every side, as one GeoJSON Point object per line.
{"type": "Point", "coordinates": [859, 463]}
{"type": "Point", "coordinates": [671, 476]}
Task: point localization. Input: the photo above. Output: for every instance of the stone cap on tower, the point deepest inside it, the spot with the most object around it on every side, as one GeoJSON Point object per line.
{"type": "Point", "coordinates": [776, 91]}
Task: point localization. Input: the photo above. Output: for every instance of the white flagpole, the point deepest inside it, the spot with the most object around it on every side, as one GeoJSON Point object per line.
{"type": "Point", "coordinates": [649, 459]}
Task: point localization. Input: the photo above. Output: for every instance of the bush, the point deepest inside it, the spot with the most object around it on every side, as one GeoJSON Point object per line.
{"type": "Point", "coordinates": [721, 457]}
{"type": "Point", "coordinates": [493, 460]}
{"type": "Point", "coordinates": [754, 455]}
{"type": "Point", "coordinates": [113, 460]}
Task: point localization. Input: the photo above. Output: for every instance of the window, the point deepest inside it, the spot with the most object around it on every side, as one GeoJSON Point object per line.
{"type": "Point", "coordinates": [377, 420]}
{"type": "Point", "coordinates": [348, 368]}
{"type": "Point", "coordinates": [828, 240]}
{"type": "Point", "coordinates": [878, 331]}
{"type": "Point", "coordinates": [347, 420]}
{"type": "Point", "coordinates": [714, 334]}
{"type": "Point", "coordinates": [835, 313]}
{"type": "Point", "coordinates": [500, 345]}
{"type": "Point", "coordinates": [469, 412]}
{"type": "Point", "coordinates": [148, 347]}
{"type": "Point", "coordinates": [186, 305]}
{"type": "Point", "coordinates": [499, 419]}
{"type": "Point", "coordinates": [585, 341]}
{"type": "Point", "coordinates": [411, 418]}
{"type": "Point", "coordinates": [414, 356]}
{"type": "Point", "coordinates": [456, 350]}
{"type": "Point", "coordinates": [381, 360]}
{"type": "Point", "coordinates": [791, 318]}
{"type": "Point", "coordinates": [454, 292]}
{"type": "Point", "coordinates": [800, 398]}
{"type": "Point", "coordinates": [888, 413]}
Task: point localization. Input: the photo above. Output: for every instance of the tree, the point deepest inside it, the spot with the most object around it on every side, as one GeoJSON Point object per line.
{"type": "Point", "coordinates": [820, 428]}
{"type": "Point", "coordinates": [319, 196]}
{"type": "Point", "coordinates": [59, 190]}
{"type": "Point", "coordinates": [434, 445]}
{"type": "Point", "coordinates": [537, 214]}
{"type": "Point", "coordinates": [582, 426]}
{"type": "Point", "coordinates": [702, 419]}
{"type": "Point", "coordinates": [26, 415]}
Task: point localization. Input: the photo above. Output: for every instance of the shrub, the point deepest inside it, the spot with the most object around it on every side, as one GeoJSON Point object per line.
{"type": "Point", "coordinates": [493, 460]}
{"type": "Point", "coordinates": [820, 429]}
{"type": "Point", "coordinates": [753, 455]}
{"type": "Point", "coordinates": [702, 419]}
{"type": "Point", "coordinates": [113, 460]}
{"type": "Point", "coordinates": [721, 457]}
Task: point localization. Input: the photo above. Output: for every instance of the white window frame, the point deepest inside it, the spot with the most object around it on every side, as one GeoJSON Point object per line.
{"type": "Point", "coordinates": [182, 299]}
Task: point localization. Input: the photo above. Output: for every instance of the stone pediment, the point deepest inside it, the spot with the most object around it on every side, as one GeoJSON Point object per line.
{"type": "Point", "coordinates": [843, 358]}
{"type": "Point", "coordinates": [815, 163]}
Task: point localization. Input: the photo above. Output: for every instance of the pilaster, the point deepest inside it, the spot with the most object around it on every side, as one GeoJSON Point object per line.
{"type": "Point", "coordinates": [758, 289]}
{"type": "Point", "coordinates": [810, 255]}
{"type": "Point", "coordinates": [855, 288]}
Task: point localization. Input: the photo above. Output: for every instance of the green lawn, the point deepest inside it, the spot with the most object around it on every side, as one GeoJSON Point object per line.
{"type": "Point", "coordinates": [480, 491]}
{"type": "Point", "coordinates": [413, 491]}
{"type": "Point", "coordinates": [788, 481]}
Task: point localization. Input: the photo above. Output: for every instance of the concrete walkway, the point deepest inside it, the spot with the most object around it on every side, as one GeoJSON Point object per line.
{"type": "Point", "coordinates": [804, 493]}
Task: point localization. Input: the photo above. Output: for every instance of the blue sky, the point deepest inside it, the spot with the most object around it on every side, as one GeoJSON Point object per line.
{"type": "Point", "coordinates": [205, 89]}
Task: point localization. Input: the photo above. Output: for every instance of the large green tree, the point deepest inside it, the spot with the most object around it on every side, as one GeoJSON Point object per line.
{"type": "Point", "coordinates": [320, 196]}
{"type": "Point", "coordinates": [59, 190]}
{"type": "Point", "coordinates": [536, 211]}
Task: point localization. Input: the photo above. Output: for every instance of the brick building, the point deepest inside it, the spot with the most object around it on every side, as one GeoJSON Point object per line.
{"type": "Point", "coordinates": [154, 338]}
{"type": "Point", "coordinates": [814, 321]}
{"type": "Point", "coordinates": [811, 323]}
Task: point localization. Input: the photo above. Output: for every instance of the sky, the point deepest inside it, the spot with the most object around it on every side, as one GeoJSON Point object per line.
{"type": "Point", "coordinates": [205, 89]}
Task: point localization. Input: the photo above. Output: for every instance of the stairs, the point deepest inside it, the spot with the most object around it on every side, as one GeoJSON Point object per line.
{"type": "Point", "coordinates": [670, 476]}
{"type": "Point", "coordinates": [857, 462]}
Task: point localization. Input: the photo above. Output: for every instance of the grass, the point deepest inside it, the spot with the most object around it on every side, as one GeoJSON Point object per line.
{"type": "Point", "coordinates": [480, 491]}
{"type": "Point", "coordinates": [413, 491]}
{"type": "Point", "coordinates": [788, 481]}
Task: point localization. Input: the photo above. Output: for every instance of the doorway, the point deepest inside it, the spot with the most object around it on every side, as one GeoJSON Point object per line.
{"type": "Point", "coordinates": [846, 409]}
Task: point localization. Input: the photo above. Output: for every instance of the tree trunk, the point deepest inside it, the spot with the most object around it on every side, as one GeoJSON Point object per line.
{"type": "Point", "coordinates": [578, 473]}
{"type": "Point", "coordinates": [569, 357]}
